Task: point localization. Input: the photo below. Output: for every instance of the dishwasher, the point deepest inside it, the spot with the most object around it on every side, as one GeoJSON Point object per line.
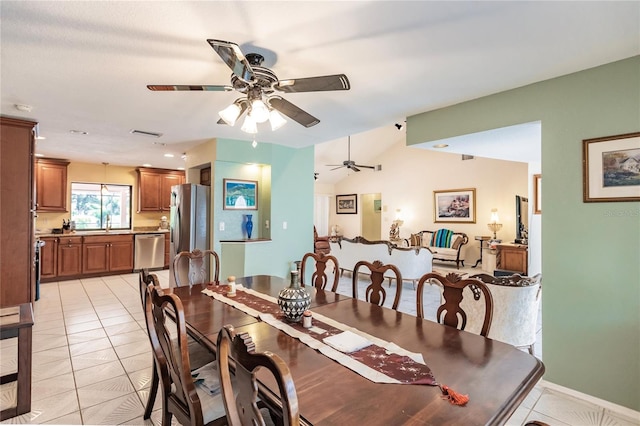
{"type": "Point", "coordinates": [149, 251]}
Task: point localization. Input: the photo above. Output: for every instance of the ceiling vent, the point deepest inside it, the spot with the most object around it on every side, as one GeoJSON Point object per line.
{"type": "Point", "coordinates": [143, 133]}
{"type": "Point", "coordinates": [467, 157]}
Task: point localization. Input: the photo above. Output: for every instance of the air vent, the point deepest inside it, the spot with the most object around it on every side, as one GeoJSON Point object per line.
{"type": "Point", "coordinates": [467, 157]}
{"type": "Point", "coordinates": [143, 133]}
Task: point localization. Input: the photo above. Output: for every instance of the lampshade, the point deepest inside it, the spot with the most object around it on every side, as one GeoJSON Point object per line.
{"type": "Point", "coordinates": [249, 125]}
{"type": "Point", "coordinates": [276, 119]}
{"type": "Point", "coordinates": [230, 114]}
{"type": "Point", "coordinates": [494, 216]}
{"type": "Point", "coordinates": [259, 111]}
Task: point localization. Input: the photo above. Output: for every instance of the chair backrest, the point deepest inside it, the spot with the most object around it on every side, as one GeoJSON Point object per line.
{"type": "Point", "coordinates": [319, 277]}
{"type": "Point", "coordinates": [375, 292]}
{"type": "Point", "coordinates": [450, 312]}
{"type": "Point", "coordinates": [194, 266]}
{"type": "Point", "coordinates": [241, 404]}
{"type": "Point", "coordinates": [171, 354]}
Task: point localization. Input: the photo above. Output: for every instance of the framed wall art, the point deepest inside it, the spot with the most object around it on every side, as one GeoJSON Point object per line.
{"type": "Point", "coordinates": [611, 168]}
{"type": "Point", "coordinates": [454, 206]}
{"type": "Point", "coordinates": [240, 194]}
{"type": "Point", "coordinates": [347, 204]}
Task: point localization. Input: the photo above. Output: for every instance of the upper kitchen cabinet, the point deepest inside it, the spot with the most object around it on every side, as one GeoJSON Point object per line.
{"type": "Point", "coordinates": [51, 185]}
{"type": "Point", "coordinates": [154, 188]}
{"type": "Point", "coordinates": [17, 249]}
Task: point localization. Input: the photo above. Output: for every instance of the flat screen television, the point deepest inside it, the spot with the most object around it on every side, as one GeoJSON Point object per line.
{"type": "Point", "coordinates": [522, 220]}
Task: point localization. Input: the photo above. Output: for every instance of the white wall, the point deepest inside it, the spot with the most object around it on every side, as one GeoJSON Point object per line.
{"type": "Point", "coordinates": [410, 175]}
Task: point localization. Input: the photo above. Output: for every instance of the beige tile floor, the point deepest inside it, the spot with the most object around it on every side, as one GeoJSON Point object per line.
{"type": "Point", "coordinates": [92, 362]}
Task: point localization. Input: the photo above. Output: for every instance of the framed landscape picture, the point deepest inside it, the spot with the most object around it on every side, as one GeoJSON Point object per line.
{"type": "Point", "coordinates": [454, 206]}
{"type": "Point", "coordinates": [240, 194]}
{"type": "Point", "coordinates": [347, 204]}
{"type": "Point", "coordinates": [611, 168]}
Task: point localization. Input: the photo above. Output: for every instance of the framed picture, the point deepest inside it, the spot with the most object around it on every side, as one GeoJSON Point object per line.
{"type": "Point", "coordinates": [240, 194]}
{"type": "Point", "coordinates": [537, 194]}
{"type": "Point", "coordinates": [611, 168]}
{"type": "Point", "coordinates": [377, 206]}
{"type": "Point", "coordinates": [454, 206]}
{"type": "Point", "coordinates": [347, 204]}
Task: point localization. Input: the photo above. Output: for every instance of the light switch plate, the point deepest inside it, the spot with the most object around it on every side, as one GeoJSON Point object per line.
{"type": "Point", "coordinates": [221, 226]}
{"type": "Point", "coordinates": [284, 225]}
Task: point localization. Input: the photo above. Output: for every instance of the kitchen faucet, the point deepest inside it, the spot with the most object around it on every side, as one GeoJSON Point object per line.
{"type": "Point", "coordinates": [108, 224]}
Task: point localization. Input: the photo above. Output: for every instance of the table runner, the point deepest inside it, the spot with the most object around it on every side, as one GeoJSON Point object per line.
{"type": "Point", "coordinates": [381, 362]}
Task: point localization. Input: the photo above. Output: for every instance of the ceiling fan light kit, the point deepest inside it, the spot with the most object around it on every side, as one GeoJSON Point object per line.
{"type": "Point", "coordinates": [258, 84]}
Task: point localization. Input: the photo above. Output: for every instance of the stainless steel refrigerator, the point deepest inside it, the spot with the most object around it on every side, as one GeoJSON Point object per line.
{"type": "Point", "coordinates": [189, 224]}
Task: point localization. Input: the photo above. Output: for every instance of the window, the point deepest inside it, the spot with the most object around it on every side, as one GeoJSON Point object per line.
{"type": "Point", "coordinates": [92, 204]}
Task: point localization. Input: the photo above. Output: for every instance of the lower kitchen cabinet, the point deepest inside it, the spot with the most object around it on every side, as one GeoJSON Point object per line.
{"type": "Point", "coordinates": [49, 258]}
{"type": "Point", "coordinates": [112, 253]}
{"type": "Point", "coordinates": [69, 256]}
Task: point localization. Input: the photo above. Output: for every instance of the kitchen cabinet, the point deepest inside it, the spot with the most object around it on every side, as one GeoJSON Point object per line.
{"type": "Point", "coordinates": [69, 256]}
{"type": "Point", "coordinates": [17, 208]}
{"type": "Point", "coordinates": [49, 258]}
{"type": "Point", "coordinates": [513, 258]}
{"type": "Point", "coordinates": [154, 188]}
{"type": "Point", "coordinates": [51, 185]}
{"type": "Point", "coordinates": [107, 253]}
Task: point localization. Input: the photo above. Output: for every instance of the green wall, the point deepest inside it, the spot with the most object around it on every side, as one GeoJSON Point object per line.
{"type": "Point", "coordinates": [590, 251]}
{"type": "Point", "coordinates": [287, 176]}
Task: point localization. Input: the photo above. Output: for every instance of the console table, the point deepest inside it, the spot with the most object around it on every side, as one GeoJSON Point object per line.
{"type": "Point", "coordinates": [513, 258]}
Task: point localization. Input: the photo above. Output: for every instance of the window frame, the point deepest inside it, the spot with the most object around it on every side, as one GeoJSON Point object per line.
{"type": "Point", "coordinates": [99, 187]}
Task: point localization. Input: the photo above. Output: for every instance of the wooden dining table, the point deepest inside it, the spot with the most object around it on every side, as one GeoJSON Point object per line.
{"type": "Point", "coordinates": [496, 376]}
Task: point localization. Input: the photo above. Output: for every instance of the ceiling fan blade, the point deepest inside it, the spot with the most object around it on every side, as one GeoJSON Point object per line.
{"type": "Point", "coordinates": [243, 108]}
{"type": "Point", "coordinates": [354, 168]}
{"type": "Point", "coordinates": [293, 112]}
{"type": "Point", "coordinates": [339, 167]}
{"type": "Point", "coordinates": [233, 57]}
{"type": "Point", "coordinates": [314, 84]}
{"type": "Point", "coordinates": [206, 88]}
{"type": "Point", "coordinates": [365, 167]}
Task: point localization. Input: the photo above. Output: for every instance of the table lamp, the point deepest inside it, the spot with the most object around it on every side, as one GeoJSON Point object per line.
{"type": "Point", "coordinates": [494, 226]}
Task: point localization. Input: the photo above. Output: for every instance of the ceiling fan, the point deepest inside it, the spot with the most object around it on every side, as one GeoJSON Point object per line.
{"type": "Point", "coordinates": [349, 164]}
{"type": "Point", "coordinates": [259, 85]}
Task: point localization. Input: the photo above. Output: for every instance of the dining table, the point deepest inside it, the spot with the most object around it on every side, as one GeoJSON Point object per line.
{"type": "Point", "coordinates": [496, 376]}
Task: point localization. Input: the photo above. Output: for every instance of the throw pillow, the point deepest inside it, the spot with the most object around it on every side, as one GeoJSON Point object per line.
{"type": "Point", "coordinates": [415, 240]}
{"type": "Point", "coordinates": [457, 243]}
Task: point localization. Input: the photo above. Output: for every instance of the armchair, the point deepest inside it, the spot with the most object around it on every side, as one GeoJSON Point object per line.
{"type": "Point", "coordinates": [320, 244]}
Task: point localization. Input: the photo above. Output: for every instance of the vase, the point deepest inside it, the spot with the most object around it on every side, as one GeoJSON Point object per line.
{"type": "Point", "coordinates": [248, 226]}
{"type": "Point", "coordinates": [294, 300]}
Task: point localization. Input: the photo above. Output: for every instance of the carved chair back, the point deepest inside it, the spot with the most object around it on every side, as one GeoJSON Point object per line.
{"type": "Point", "coordinates": [196, 268]}
{"type": "Point", "coordinates": [450, 312]}
{"type": "Point", "coordinates": [241, 403]}
{"type": "Point", "coordinates": [145, 280]}
{"type": "Point", "coordinates": [320, 278]}
{"type": "Point", "coordinates": [375, 292]}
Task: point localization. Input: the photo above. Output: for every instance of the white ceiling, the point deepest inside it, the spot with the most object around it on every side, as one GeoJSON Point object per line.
{"type": "Point", "coordinates": [84, 66]}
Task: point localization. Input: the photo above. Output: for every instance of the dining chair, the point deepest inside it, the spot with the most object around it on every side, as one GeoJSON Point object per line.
{"type": "Point", "coordinates": [196, 270]}
{"type": "Point", "coordinates": [241, 401]}
{"type": "Point", "coordinates": [181, 397]}
{"type": "Point", "coordinates": [375, 292]}
{"type": "Point", "coordinates": [144, 281]}
{"type": "Point", "coordinates": [319, 277]}
{"type": "Point", "coordinates": [516, 304]}
{"type": "Point", "coordinates": [450, 311]}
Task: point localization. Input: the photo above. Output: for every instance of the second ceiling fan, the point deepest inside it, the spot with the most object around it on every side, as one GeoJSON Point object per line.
{"type": "Point", "coordinates": [350, 164]}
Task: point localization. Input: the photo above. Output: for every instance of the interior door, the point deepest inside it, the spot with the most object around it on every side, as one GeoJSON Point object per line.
{"type": "Point", "coordinates": [371, 217]}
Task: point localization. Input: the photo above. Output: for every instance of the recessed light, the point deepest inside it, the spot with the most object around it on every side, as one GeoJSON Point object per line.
{"type": "Point", "coordinates": [441, 145]}
{"type": "Point", "coordinates": [39, 155]}
{"type": "Point", "coordinates": [40, 138]}
{"type": "Point", "coordinates": [180, 168]}
{"type": "Point", "coordinates": [78, 132]}
{"type": "Point", "coordinates": [146, 165]}
{"type": "Point", "coordinates": [168, 155]}
{"type": "Point", "coordinates": [23, 108]}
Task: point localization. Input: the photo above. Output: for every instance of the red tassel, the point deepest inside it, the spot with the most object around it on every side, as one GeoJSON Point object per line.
{"type": "Point", "coordinates": [454, 397]}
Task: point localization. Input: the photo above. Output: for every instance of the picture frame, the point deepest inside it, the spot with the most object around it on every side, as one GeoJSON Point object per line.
{"type": "Point", "coordinates": [537, 194]}
{"type": "Point", "coordinates": [611, 168]}
{"type": "Point", "coordinates": [239, 194]}
{"type": "Point", "coordinates": [377, 206]}
{"type": "Point", "coordinates": [347, 204]}
{"type": "Point", "coordinates": [454, 206]}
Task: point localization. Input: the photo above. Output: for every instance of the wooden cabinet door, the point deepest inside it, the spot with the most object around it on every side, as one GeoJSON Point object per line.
{"type": "Point", "coordinates": [95, 257]}
{"type": "Point", "coordinates": [121, 255]}
{"type": "Point", "coordinates": [69, 256]}
{"type": "Point", "coordinates": [168, 181]}
{"type": "Point", "coordinates": [17, 249]}
{"type": "Point", "coordinates": [149, 192]}
{"type": "Point", "coordinates": [51, 185]}
{"type": "Point", "coordinates": [49, 258]}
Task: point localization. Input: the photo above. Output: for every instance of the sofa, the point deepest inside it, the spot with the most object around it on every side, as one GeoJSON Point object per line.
{"type": "Point", "coordinates": [445, 244]}
{"type": "Point", "coordinates": [413, 262]}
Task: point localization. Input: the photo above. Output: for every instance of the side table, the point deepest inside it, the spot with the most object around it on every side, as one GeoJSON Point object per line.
{"type": "Point", "coordinates": [17, 321]}
{"type": "Point", "coordinates": [481, 239]}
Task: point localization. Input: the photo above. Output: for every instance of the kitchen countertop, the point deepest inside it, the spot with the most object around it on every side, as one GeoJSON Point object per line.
{"type": "Point", "coordinates": [141, 230]}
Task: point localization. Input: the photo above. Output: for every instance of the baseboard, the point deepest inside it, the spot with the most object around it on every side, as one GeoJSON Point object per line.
{"type": "Point", "coordinates": [619, 409]}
